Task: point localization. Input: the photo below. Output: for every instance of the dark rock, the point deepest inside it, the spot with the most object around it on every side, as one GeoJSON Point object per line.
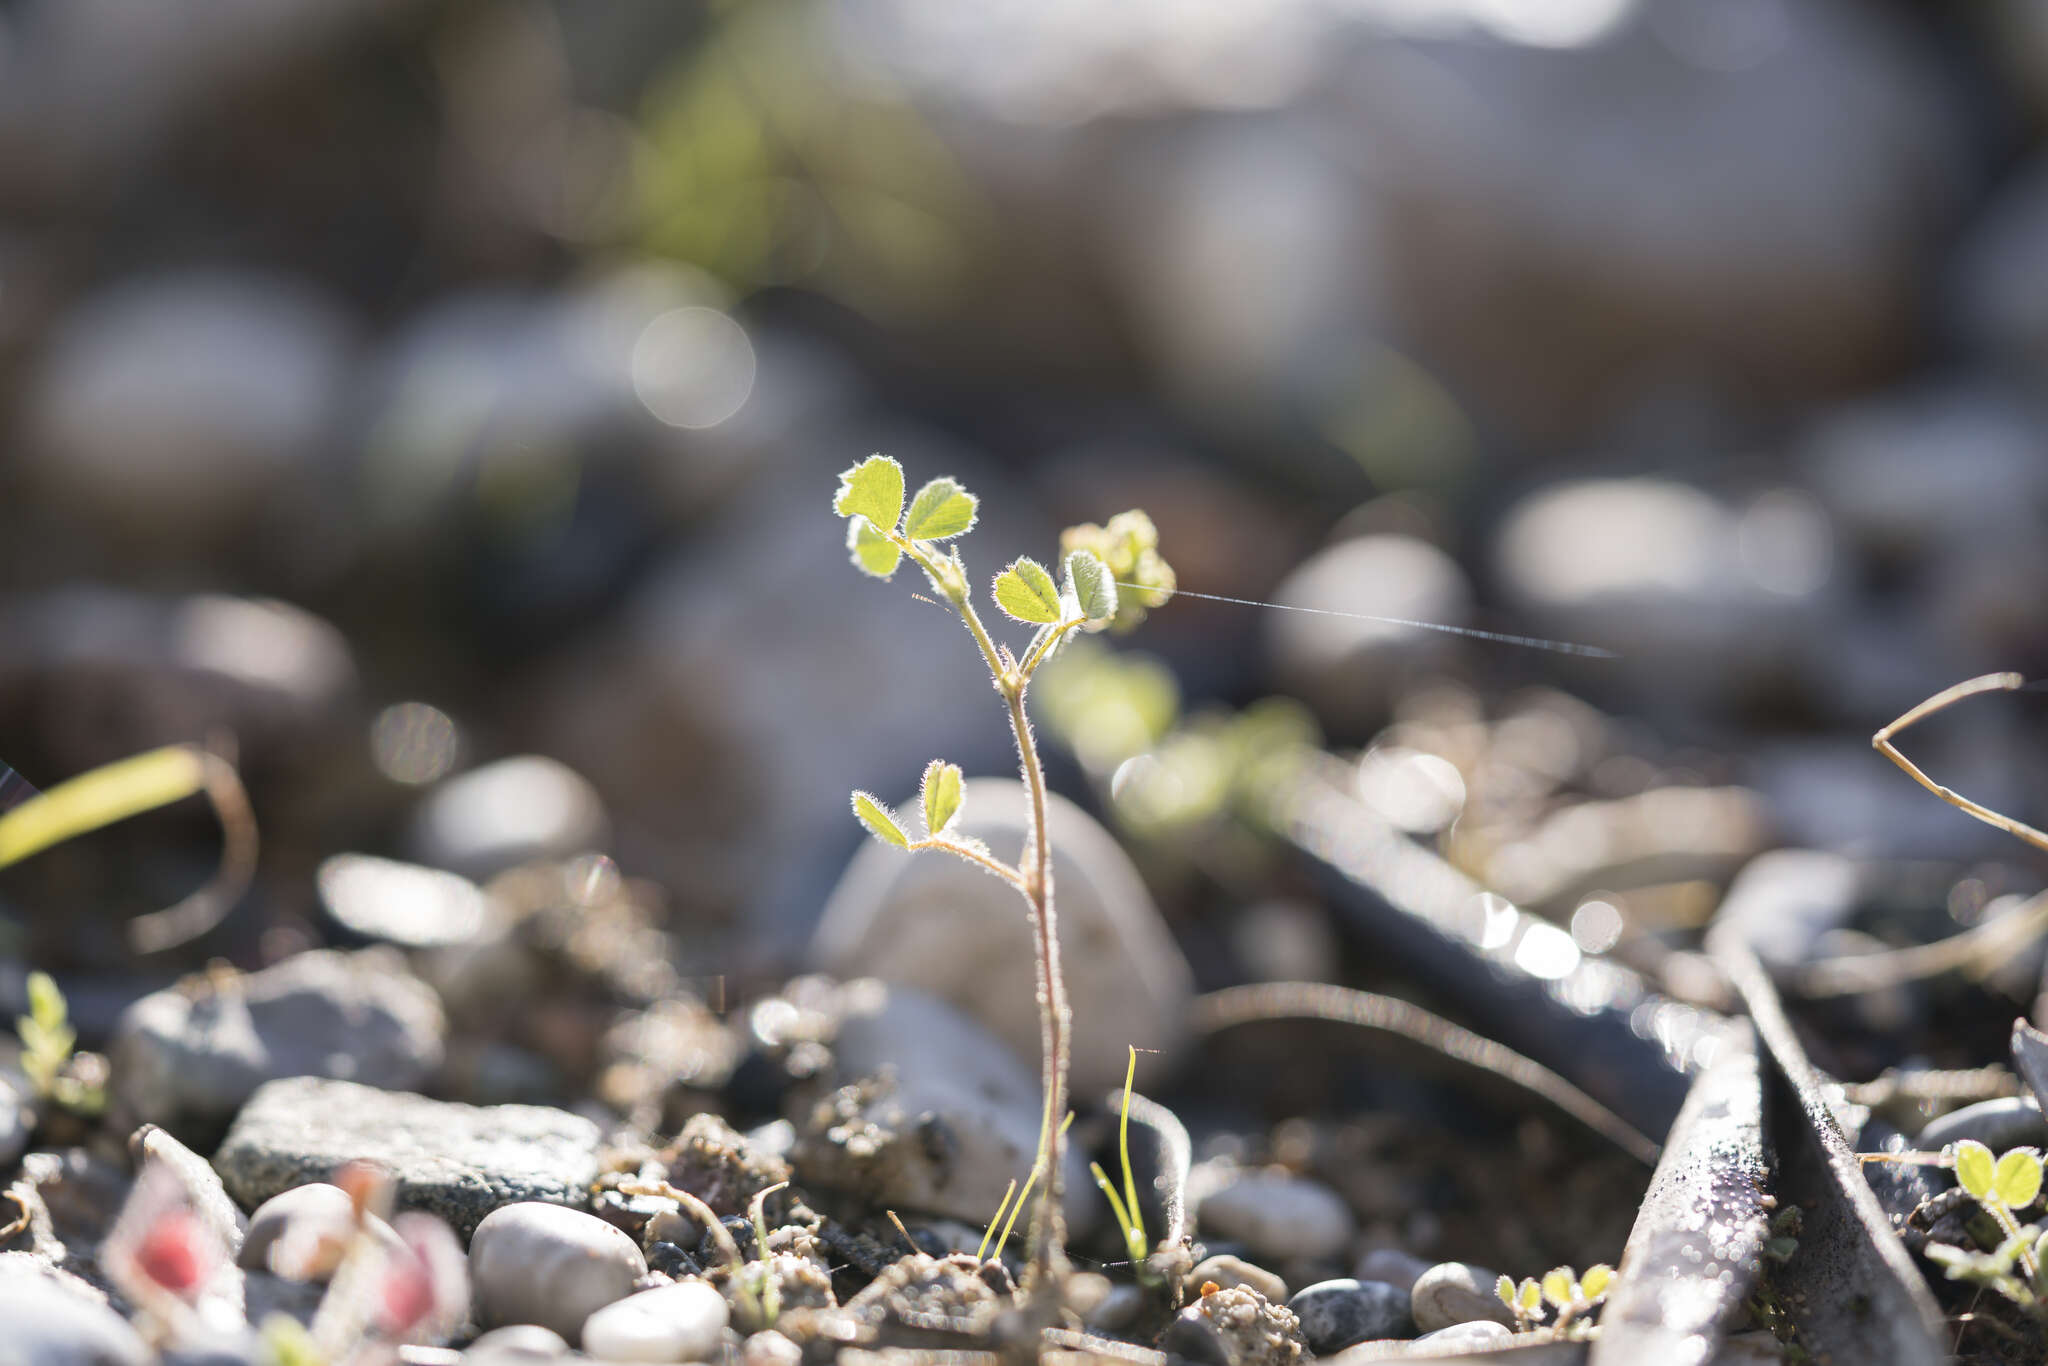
{"type": "Point", "coordinates": [1335, 1314]}
{"type": "Point", "coordinates": [457, 1161]}
{"type": "Point", "coordinates": [2007, 1122]}
{"type": "Point", "coordinates": [2030, 1059]}
{"type": "Point", "coordinates": [1235, 1327]}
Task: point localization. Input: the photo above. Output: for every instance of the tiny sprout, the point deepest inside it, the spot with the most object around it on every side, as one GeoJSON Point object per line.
{"type": "Point", "coordinates": [2002, 1187]}
{"type": "Point", "coordinates": [1571, 1295]}
{"type": "Point", "coordinates": [1093, 561]}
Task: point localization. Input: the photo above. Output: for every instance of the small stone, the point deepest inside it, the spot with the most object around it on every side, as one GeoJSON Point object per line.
{"type": "Point", "coordinates": [187, 1057]}
{"type": "Point", "coordinates": [1227, 1271]}
{"type": "Point", "coordinates": [17, 1122]}
{"type": "Point", "coordinates": [770, 1348]}
{"type": "Point", "coordinates": [1457, 1292]}
{"type": "Point", "coordinates": [517, 1344]}
{"type": "Point", "coordinates": [682, 1322]}
{"type": "Point", "coordinates": [200, 1183]}
{"type": "Point", "coordinates": [53, 1319]}
{"type": "Point", "coordinates": [2007, 1122]}
{"type": "Point", "coordinates": [944, 927]}
{"type": "Point", "coordinates": [1479, 1335]}
{"type": "Point", "coordinates": [1335, 1314]}
{"type": "Point", "coordinates": [1392, 1265]}
{"type": "Point", "coordinates": [544, 1264]}
{"type": "Point", "coordinates": [1278, 1216]}
{"type": "Point", "coordinates": [317, 1204]}
{"type": "Point", "coordinates": [456, 1161]}
{"type": "Point", "coordinates": [400, 903]}
{"type": "Point", "coordinates": [507, 813]}
{"type": "Point", "coordinates": [1235, 1327]}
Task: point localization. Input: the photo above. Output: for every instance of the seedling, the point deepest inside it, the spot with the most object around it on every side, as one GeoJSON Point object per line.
{"type": "Point", "coordinates": [2002, 1188]}
{"type": "Point", "coordinates": [1569, 1294]}
{"type": "Point", "coordinates": [47, 1041]}
{"type": "Point", "coordinates": [1129, 1217]}
{"type": "Point", "coordinates": [1094, 561]}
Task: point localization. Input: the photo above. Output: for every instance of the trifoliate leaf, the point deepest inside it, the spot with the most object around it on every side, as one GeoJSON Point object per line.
{"type": "Point", "coordinates": [941, 510]}
{"type": "Point", "coordinates": [872, 489]}
{"type": "Point", "coordinates": [1505, 1288]}
{"type": "Point", "coordinates": [879, 819]}
{"type": "Point", "coordinates": [1027, 593]}
{"type": "Point", "coordinates": [1595, 1282]}
{"type": "Point", "coordinates": [873, 553]}
{"type": "Point", "coordinates": [2017, 1179]}
{"type": "Point", "coordinates": [1090, 585]}
{"type": "Point", "coordinates": [1557, 1286]}
{"type": "Point", "coordinates": [941, 794]}
{"type": "Point", "coordinates": [1975, 1171]}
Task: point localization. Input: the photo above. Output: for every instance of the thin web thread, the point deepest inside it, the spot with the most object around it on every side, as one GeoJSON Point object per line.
{"type": "Point", "coordinates": [1563, 647]}
{"type": "Point", "coordinates": [14, 789]}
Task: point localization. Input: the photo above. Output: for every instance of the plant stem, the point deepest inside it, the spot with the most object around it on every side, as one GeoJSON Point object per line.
{"type": "Point", "coordinates": [1048, 1225]}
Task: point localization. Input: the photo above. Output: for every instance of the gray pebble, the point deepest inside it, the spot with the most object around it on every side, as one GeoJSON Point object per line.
{"type": "Point", "coordinates": [456, 1161]}
{"type": "Point", "coordinates": [401, 903]}
{"type": "Point", "coordinates": [17, 1122]}
{"type": "Point", "coordinates": [327, 1206]}
{"type": "Point", "coordinates": [1392, 1265]}
{"type": "Point", "coordinates": [188, 1057]}
{"type": "Point", "coordinates": [681, 1322]}
{"type": "Point", "coordinates": [2007, 1122]}
{"type": "Point", "coordinates": [507, 813]}
{"type": "Point", "coordinates": [1278, 1216]}
{"type": "Point", "coordinates": [517, 1344]}
{"type": "Point", "coordinates": [1227, 1271]}
{"type": "Point", "coordinates": [1478, 1335]}
{"type": "Point", "coordinates": [770, 1348]}
{"type": "Point", "coordinates": [1456, 1292]}
{"type": "Point", "coordinates": [544, 1264]}
{"type": "Point", "coordinates": [1335, 1314]}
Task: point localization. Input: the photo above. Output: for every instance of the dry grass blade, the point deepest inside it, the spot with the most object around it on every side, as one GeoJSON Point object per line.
{"type": "Point", "coordinates": [1948, 697]}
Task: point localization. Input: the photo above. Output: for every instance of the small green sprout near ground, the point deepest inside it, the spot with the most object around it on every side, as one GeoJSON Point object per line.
{"type": "Point", "coordinates": [1129, 1217]}
{"type": "Point", "coordinates": [1094, 560]}
{"type": "Point", "coordinates": [1573, 1297]}
{"type": "Point", "coordinates": [2002, 1187]}
{"type": "Point", "coordinates": [47, 1044]}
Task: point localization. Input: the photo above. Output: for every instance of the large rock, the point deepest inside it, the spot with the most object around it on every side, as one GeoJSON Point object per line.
{"type": "Point", "coordinates": [189, 1056]}
{"type": "Point", "coordinates": [936, 923]}
{"type": "Point", "coordinates": [457, 1161]}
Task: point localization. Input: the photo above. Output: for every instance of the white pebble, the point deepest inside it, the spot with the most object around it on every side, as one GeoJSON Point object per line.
{"type": "Point", "coordinates": [538, 1263]}
{"type": "Point", "coordinates": [681, 1322]}
{"type": "Point", "coordinates": [1451, 1293]}
{"type": "Point", "coordinates": [1278, 1216]}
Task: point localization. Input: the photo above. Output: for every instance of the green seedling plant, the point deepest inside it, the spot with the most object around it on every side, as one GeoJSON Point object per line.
{"type": "Point", "coordinates": [1130, 1219]}
{"type": "Point", "coordinates": [2002, 1188]}
{"type": "Point", "coordinates": [1095, 560]}
{"type": "Point", "coordinates": [1567, 1294]}
{"type": "Point", "coordinates": [47, 1045]}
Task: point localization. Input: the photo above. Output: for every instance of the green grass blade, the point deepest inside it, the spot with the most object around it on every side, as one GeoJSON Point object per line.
{"type": "Point", "coordinates": [101, 797]}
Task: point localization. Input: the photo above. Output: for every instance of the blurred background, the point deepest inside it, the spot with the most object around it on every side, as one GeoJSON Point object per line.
{"type": "Point", "coordinates": [399, 389]}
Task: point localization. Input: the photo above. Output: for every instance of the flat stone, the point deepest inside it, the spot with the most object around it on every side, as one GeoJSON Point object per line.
{"type": "Point", "coordinates": [1278, 1216]}
{"type": "Point", "coordinates": [456, 1161]}
{"type": "Point", "coordinates": [682, 1322]}
{"type": "Point", "coordinates": [2007, 1122]}
{"type": "Point", "coordinates": [187, 1057]}
{"type": "Point", "coordinates": [1335, 1314]}
{"type": "Point", "coordinates": [401, 903]}
{"type": "Point", "coordinates": [517, 1344]}
{"type": "Point", "coordinates": [1456, 1292]}
{"type": "Point", "coordinates": [1479, 1335]}
{"type": "Point", "coordinates": [544, 1264]}
{"type": "Point", "coordinates": [945, 927]}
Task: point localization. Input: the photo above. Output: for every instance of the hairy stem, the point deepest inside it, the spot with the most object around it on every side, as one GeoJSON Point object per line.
{"type": "Point", "coordinates": [1048, 1224]}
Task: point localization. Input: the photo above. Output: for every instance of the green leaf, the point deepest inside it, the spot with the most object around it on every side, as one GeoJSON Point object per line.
{"type": "Point", "coordinates": [872, 489]}
{"type": "Point", "coordinates": [941, 510]}
{"type": "Point", "coordinates": [1505, 1288]}
{"type": "Point", "coordinates": [879, 819]}
{"type": "Point", "coordinates": [2017, 1180]}
{"type": "Point", "coordinates": [1027, 593]}
{"type": "Point", "coordinates": [873, 553]}
{"type": "Point", "coordinates": [45, 1002]}
{"type": "Point", "coordinates": [1557, 1286]}
{"type": "Point", "coordinates": [941, 794]}
{"type": "Point", "coordinates": [1531, 1296]}
{"type": "Point", "coordinates": [1595, 1282]}
{"type": "Point", "coordinates": [1090, 585]}
{"type": "Point", "coordinates": [1975, 1171]}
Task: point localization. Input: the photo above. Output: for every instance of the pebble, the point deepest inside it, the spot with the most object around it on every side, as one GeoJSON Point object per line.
{"type": "Point", "coordinates": [1278, 1216]}
{"type": "Point", "coordinates": [770, 1348]}
{"type": "Point", "coordinates": [1335, 1314]}
{"type": "Point", "coordinates": [537, 1263]}
{"type": "Point", "coordinates": [682, 1322]}
{"type": "Point", "coordinates": [1478, 1335]}
{"type": "Point", "coordinates": [507, 813]}
{"type": "Point", "coordinates": [1392, 1265]}
{"type": "Point", "coordinates": [400, 903]}
{"type": "Point", "coordinates": [456, 1161]}
{"type": "Point", "coordinates": [944, 1121]}
{"type": "Point", "coordinates": [517, 1344]}
{"type": "Point", "coordinates": [1349, 669]}
{"type": "Point", "coordinates": [48, 1323]}
{"type": "Point", "coordinates": [2007, 1122]}
{"type": "Point", "coordinates": [17, 1122]}
{"type": "Point", "coordinates": [315, 1204]}
{"type": "Point", "coordinates": [947, 928]}
{"type": "Point", "coordinates": [1227, 1271]}
{"type": "Point", "coordinates": [188, 1057]}
{"type": "Point", "coordinates": [1234, 1327]}
{"type": "Point", "coordinates": [1457, 1292]}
